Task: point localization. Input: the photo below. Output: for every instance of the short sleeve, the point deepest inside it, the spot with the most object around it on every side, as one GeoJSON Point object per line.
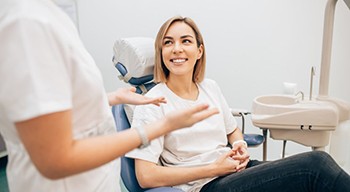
{"type": "Point", "coordinates": [230, 121]}
{"type": "Point", "coordinates": [145, 114]}
{"type": "Point", "coordinates": [34, 77]}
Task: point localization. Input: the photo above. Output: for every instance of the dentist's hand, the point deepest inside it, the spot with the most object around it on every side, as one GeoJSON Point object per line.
{"type": "Point", "coordinates": [240, 153]}
{"type": "Point", "coordinates": [128, 96]}
{"type": "Point", "coordinates": [188, 117]}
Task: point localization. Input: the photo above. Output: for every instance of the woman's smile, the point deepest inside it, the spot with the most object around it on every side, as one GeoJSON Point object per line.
{"type": "Point", "coordinates": [178, 61]}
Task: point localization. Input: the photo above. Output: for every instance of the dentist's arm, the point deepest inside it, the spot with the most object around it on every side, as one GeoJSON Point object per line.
{"type": "Point", "coordinates": [50, 144]}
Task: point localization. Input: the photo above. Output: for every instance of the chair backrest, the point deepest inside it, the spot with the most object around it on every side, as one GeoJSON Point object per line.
{"type": "Point", "coordinates": [127, 165]}
{"type": "Point", "coordinates": [134, 60]}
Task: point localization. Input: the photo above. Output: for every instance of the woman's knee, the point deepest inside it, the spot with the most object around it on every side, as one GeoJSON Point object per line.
{"type": "Point", "coordinates": [312, 160]}
{"type": "Point", "coordinates": [319, 160]}
{"type": "Point", "coordinates": [321, 156]}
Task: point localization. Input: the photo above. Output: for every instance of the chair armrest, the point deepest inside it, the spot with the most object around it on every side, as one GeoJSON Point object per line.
{"type": "Point", "coordinates": [239, 112]}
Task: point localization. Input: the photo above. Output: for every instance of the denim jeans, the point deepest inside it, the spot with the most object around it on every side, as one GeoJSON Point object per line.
{"type": "Point", "coordinates": [311, 171]}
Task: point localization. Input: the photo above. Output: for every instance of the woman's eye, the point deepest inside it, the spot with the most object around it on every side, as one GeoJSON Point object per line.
{"type": "Point", "coordinates": [167, 42]}
{"type": "Point", "coordinates": [186, 41]}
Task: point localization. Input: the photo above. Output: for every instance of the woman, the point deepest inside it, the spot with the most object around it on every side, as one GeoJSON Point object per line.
{"type": "Point", "coordinates": [198, 159]}
{"type": "Point", "coordinates": [54, 112]}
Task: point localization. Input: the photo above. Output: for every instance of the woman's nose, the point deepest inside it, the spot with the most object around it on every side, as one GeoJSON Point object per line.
{"type": "Point", "coordinates": [177, 48]}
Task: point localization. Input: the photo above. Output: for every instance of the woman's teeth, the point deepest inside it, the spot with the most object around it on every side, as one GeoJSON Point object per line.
{"type": "Point", "coordinates": [179, 60]}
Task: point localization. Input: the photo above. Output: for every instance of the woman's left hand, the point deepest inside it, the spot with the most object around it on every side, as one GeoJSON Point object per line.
{"type": "Point", "coordinates": [128, 96]}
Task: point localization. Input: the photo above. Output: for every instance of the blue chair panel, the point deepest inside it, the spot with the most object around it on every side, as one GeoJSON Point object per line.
{"type": "Point", "coordinates": [253, 140]}
{"type": "Point", "coordinates": [127, 164]}
{"type": "Point", "coordinates": [133, 80]}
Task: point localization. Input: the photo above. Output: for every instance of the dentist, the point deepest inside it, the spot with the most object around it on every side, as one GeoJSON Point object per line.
{"type": "Point", "coordinates": [54, 113]}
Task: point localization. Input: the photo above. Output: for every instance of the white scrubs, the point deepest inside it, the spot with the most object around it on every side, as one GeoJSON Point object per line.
{"type": "Point", "coordinates": [44, 68]}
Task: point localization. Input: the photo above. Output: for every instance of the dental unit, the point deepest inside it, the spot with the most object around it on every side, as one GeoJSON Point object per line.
{"type": "Point", "coordinates": [309, 122]}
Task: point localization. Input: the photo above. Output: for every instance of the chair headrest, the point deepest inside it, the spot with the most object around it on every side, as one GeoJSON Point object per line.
{"type": "Point", "coordinates": [134, 59]}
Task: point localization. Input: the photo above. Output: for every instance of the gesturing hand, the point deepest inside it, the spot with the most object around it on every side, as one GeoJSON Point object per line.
{"type": "Point", "coordinates": [188, 117]}
{"type": "Point", "coordinates": [128, 96]}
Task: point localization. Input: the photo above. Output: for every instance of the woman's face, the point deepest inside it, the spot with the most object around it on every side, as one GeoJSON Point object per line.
{"type": "Point", "coordinates": [179, 49]}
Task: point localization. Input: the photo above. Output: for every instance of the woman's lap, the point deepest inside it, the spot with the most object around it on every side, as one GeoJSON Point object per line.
{"type": "Point", "coordinates": [312, 171]}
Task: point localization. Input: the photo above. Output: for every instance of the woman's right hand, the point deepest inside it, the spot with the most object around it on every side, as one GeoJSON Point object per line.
{"type": "Point", "coordinates": [188, 117]}
{"type": "Point", "coordinates": [225, 164]}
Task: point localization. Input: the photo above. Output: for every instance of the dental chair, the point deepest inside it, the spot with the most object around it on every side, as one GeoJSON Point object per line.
{"type": "Point", "coordinates": [128, 181]}
{"type": "Point", "coordinates": [134, 60]}
{"type": "Point", "coordinates": [133, 56]}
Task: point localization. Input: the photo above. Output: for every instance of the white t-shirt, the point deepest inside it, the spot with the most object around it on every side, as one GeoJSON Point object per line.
{"type": "Point", "coordinates": [198, 145]}
{"type": "Point", "coordinates": [44, 68]}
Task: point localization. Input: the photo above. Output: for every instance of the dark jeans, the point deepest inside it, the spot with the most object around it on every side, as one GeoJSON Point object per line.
{"type": "Point", "coordinates": [311, 171]}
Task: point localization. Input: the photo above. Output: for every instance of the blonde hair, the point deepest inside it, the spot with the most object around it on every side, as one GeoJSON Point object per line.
{"type": "Point", "coordinates": [161, 72]}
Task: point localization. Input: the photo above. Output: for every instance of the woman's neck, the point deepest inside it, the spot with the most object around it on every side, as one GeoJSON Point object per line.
{"type": "Point", "coordinates": [183, 87]}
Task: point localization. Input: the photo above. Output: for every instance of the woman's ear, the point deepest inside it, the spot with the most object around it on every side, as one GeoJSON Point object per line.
{"type": "Point", "coordinates": [200, 51]}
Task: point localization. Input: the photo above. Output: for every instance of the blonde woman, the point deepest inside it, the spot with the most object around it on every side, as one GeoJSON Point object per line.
{"type": "Point", "coordinates": [198, 158]}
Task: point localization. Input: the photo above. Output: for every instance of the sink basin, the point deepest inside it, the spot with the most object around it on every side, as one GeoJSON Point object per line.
{"type": "Point", "coordinates": [288, 112]}
{"type": "Point", "coordinates": [289, 118]}
{"type": "Point", "coordinates": [276, 100]}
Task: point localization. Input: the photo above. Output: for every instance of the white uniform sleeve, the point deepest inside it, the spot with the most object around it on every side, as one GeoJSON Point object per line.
{"type": "Point", "coordinates": [34, 78]}
{"type": "Point", "coordinates": [145, 114]}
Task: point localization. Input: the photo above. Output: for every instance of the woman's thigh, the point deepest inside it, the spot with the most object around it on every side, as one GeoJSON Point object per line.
{"type": "Point", "coordinates": [312, 171]}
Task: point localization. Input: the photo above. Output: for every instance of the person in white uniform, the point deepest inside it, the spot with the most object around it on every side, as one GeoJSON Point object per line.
{"type": "Point", "coordinates": [200, 158]}
{"type": "Point", "coordinates": [55, 115]}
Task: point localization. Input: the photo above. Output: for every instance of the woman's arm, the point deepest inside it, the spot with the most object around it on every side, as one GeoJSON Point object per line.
{"type": "Point", "coordinates": [239, 147]}
{"type": "Point", "coordinates": [50, 144]}
{"type": "Point", "coordinates": [235, 135]}
{"type": "Point", "coordinates": [150, 175]}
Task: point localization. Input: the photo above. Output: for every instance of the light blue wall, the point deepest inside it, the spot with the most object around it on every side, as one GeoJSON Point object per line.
{"type": "Point", "coordinates": [252, 46]}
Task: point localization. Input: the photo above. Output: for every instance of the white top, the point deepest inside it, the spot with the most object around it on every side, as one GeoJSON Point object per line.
{"type": "Point", "coordinates": [44, 68]}
{"type": "Point", "coordinates": [199, 145]}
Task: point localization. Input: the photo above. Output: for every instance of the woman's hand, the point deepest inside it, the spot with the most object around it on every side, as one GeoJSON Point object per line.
{"type": "Point", "coordinates": [240, 153]}
{"type": "Point", "coordinates": [188, 117]}
{"type": "Point", "coordinates": [128, 96]}
{"type": "Point", "coordinates": [225, 164]}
